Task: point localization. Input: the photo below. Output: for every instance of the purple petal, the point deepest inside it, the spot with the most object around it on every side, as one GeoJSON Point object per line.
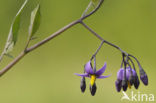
{"type": "Point", "coordinates": [118, 85]}
{"type": "Point", "coordinates": [101, 71]}
{"type": "Point", "coordinates": [102, 77]}
{"type": "Point", "coordinates": [82, 75]}
{"type": "Point", "coordinates": [88, 68]}
{"type": "Point", "coordinates": [128, 72]}
{"type": "Point", "coordinates": [120, 74]}
{"type": "Point", "coordinates": [134, 72]}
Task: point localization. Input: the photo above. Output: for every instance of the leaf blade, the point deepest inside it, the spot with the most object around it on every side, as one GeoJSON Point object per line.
{"type": "Point", "coordinates": [35, 21]}
{"type": "Point", "coordinates": [13, 34]}
{"type": "Point", "coordinates": [91, 6]}
{"type": "Point", "coordinates": [16, 23]}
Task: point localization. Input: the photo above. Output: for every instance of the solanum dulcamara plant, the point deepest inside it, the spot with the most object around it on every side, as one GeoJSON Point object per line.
{"type": "Point", "coordinates": [127, 75]}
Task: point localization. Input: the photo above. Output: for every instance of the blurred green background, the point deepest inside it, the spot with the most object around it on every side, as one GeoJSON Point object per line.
{"type": "Point", "coordinates": [47, 74]}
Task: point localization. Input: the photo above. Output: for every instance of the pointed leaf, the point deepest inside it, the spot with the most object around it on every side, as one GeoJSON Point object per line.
{"type": "Point", "coordinates": [13, 34]}
{"type": "Point", "coordinates": [35, 21]}
{"type": "Point", "coordinates": [91, 6]}
{"type": "Point", "coordinates": [16, 23]}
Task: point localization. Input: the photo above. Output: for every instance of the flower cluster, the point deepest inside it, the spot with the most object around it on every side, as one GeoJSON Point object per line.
{"type": "Point", "coordinates": [127, 76]}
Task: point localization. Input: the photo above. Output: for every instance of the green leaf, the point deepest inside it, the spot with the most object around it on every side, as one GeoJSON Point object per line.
{"type": "Point", "coordinates": [91, 6]}
{"type": "Point", "coordinates": [16, 23]}
{"type": "Point", "coordinates": [35, 21]}
{"type": "Point", "coordinates": [13, 34]}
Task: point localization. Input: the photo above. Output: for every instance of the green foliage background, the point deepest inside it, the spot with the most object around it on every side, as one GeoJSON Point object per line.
{"type": "Point", "coordinates": [47, 74]}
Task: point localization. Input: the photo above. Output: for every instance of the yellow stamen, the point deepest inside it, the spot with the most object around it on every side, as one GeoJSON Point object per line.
{"type": "Point", "coordinates": [129, 85]}
{"type": "Point", "coordinates": [92, 79]}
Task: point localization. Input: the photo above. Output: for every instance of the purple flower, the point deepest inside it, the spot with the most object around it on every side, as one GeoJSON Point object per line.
{"type": "Point", "coordinates": [126, 78]}
{"type": "Point", "coordinates": [93, 75]}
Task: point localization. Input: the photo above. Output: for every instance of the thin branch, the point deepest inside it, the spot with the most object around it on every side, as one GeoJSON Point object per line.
{"type": "Point", "coordinates": [84, 13]}
{"type": "Point", "coordinates": [27, 44]}
{"type": "Point", "coordinates": [4, 70]}
{"type": "Point", "coordinates": [136, 60]}
{"type": "Point", "coordinates": [53, 35]}
{"type": "Point", "coordinates": [94, 69]}
{"type": "Point", "coordinates": [132, 63]}
{"type": "Point", "coordinates": [2, 55]}
{"type": "Point", "coordinates": [97, 50]}
{"type": "Point", "coordinates": [91, 13]}
{"type": "Point", "coordinates": [99, 37]}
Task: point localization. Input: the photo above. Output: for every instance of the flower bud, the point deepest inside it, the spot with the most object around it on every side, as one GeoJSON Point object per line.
{"type": "Point", "coordinates": [118, 85]}
{"type": "Point", "coordinates": [131, 79]}
{"type": "Point", "coordinates": [136, 82]}
{"type": "Point", "coordinates": [124, 84]}
{"type": "Point", "coordinates": [143, 77]}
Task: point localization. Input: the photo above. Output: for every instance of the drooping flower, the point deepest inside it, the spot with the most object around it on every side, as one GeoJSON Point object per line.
{"type": "Point", "coordinates": [93, 75]}
{"type": "Point", "coordinates": [143, 76]}
{"type": "Point", "coordinates": [126, 78]}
